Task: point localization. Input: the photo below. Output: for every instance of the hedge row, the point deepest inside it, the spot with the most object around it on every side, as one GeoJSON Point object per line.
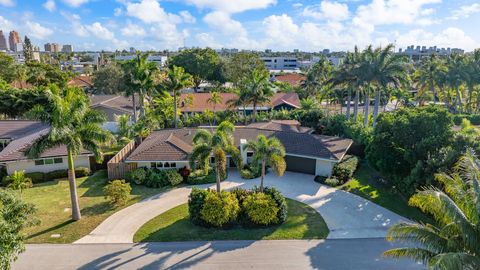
{"type": "Point", "coordinates": [251, 171]}
{"type": "Point", "coordinates": [154, 178]}
{"type": "Point", "coordinates": [249, 208]}
{"type": "Point", "coordinates": [344, 170]}
{"type": "Point", "coordinates": [40, 177]}
{"type": "Point", "coordinates": [473, 118]}
{"type": "Point", "coordinates": [199, 177]}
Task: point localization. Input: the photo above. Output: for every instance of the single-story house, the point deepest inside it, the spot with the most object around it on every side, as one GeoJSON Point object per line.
{"type": "Point", "coordinates": [305, 152]}
{"type": "Point", "coordinates": [198, 103]}
{"type": "Point", "coordinates": [112, 106]}
{"type": "Point", "coordinates": [83, 81]}
{"type": "Point", "coordinates": [16, 136]}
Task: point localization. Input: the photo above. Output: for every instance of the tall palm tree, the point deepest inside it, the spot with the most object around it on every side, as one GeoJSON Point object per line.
{"type": "Point", "coordinates": [140, 78]}
{"type": "Point", "coordinates": [216, 145]}
{"type": "Point", "coordinates": [268, 152]}
{"type": "Point", "coordinates": [317, 78]}
{"type": "Point", "coordinates": [242, 101]}
{"type": "Point", "coordinates": [429, 75]}
{"type": "Point", "coordinates": [472, 77]}
{"type": "Point", "coordinates": [455, 76]}
{"type": "Point", "coordinates": [454, 242]}
{"type": "Point", "coordinates": [176, 80]}
{"type": "Point", "coordinates": [74, 125]}
{"type": "Point", "coordinates": [258, 89]}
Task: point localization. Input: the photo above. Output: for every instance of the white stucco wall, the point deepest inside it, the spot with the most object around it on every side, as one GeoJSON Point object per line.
{"type": "Point", "coordinates": [180, 164]}
{"type": "Point", "coordinates": [324, 167]}
{"type": "Point", "coordinates": [29, 165]}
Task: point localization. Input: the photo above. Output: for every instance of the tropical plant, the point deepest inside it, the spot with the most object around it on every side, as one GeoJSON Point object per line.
{"type": "Point", "coordinates": [176, 80]}
{"type": "Point", "coordinates": [453, 243]}
{"type": "Point", "coordinates": [317, 79]}
{"type": "Point", "coordinates": [117, 192]}
{"type": "Point", "coordinates": [268, 152]}
{"type": "Point", "coordinates": [18, 181]}
{"type": "Point", "coordinates": [455, 76]}
{"type": "Point", "coordinates": [206, 144]}
{"type": "Point", "coordinates": [430, 76]}
{"type": "Point", "coordinates": [74, 125]}
{"type": "Point", "coordinates": [258, 89]}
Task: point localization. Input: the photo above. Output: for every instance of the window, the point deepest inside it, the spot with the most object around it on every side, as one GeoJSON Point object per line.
{"type": "Point", "coordinates": [48, 161]}
{"type": "Point", "coordinates": [38, 162]}
{"type": "Point", "coordinates": [249, 154]}
{"type": "Point", "coordinates": [173, 165]}
{"type": "Point", "coordinates": [58, 160]}
{"type": "Point", "coordinates": [153, 165]}
{"type": "Point", "coordinates": [166, 165]}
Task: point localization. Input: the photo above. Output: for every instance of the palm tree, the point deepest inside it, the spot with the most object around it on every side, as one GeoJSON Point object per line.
{"type": "Point", "coordinates": [217, 145]}
{"type": "Point", "coordinates": [74, 125]}
{"type": "Point", "coordinates": [317, 77]}
{"type": "Point", "coordinates": [454, 242]}
{"type": "Point", "coordinates": [472, 77]}
{"type": "Point", "coordinates": [268, 152]}
{"type": "Point", "coordinates": [215, 98]}
{"type": "Point", "coordinates": [455, 77]}
{"type": "Point", "coordinates": [176, 80]}
{"type": "Point", "coordinates": [140, 78]}
{"type": "Point", "coordinates": [242, 101]}
{"type": "Point", "coordinates": [429, 75]}
{"type": "Point", "coordinates": [258, 89]}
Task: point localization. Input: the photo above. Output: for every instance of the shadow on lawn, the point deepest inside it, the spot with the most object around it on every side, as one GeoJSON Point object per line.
{"type": "Point", "coordinates": [56, 227]}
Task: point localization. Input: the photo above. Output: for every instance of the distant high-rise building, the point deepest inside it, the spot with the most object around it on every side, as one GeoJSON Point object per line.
{"type": "Point", "coordinates": [13, 40]}
{"type": "Point", "coordinates": [67, 48]}
{"type": "Point", "coordinates": [3, 42]}
{"type": "Point", "coordinates": [52, 47]}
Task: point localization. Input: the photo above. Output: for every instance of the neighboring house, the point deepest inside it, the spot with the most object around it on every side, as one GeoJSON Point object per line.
{"type": "Point", "coordinates": [16, 136]}
{"type": "Point", "coordinates": [112, 106]}
{"type": "Point", "coordinates": [293, 79]}
{"type": "Point", "coordinates": [83, 82]}
{"type": "Point", "coordinates": [305, 152]}
{"type": "Point", "coordinates": [199, 103]}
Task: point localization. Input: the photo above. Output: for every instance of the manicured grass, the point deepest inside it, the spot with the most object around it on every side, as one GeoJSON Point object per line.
{"type": "Point", "coordinates": [303, 222]}
{"type": "Point", "coordinates": [365, 184]}
{"type": "Point", "coordinates": [52, 200]}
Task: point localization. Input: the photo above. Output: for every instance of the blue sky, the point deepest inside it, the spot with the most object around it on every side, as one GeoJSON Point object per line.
{"type": "Point", "coordinates": [244, 24]}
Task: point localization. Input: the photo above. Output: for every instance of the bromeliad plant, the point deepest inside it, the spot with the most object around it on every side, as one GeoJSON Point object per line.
{"type": "Point", "coordinates": [268, 152]}
{"type": "Point", "coordinates": [217, 145]}
{"type": "Point", "coordinates": [454, 242]}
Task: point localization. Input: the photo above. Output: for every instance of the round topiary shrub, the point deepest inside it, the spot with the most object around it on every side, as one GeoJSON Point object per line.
{"type": "Point", "coordinates": [196, 199]}
{"type": "Point", "coordinates": [219, 209]}
{"type": "Point", "coordinates": [261, 209]}
{"type": "Point", "coordinates": [117, 192]}
{"type": "Point", "coordinates": [137, 176]}
{"type": "Point", "coordinates": [280, 201]}
{"type": "Point", "coordinates": [173, 177]}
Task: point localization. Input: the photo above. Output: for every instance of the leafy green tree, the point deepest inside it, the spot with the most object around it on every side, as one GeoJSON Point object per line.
{"type": "Point", "coordinates": [15, 216]}
{"type": "Point", "coordinates": [108, 79]}
{"type": "Point", "coordinates": [15, 102]}
{"type": "Point", "coordinates": [269, 152]}
{"type": "Point", "coordinates": [452, 243]}
{"type": "Point", "coordinates": [27, 49]}
{"type": "Point", "coordinates": [42, 74]}
{"type": "Point", "coordinates": [240, 66]}
{"type": "Point", "coordinates": [7, 68]}
{"type": "Point", "coordinates": [75, 125]}
{"type": "Point", "coordinates": [176, 80]}
{"type": "Point", "coordinates": [317, 80]}
{"type": "Point", "coordinates": [202, 64]}
{"type": "Point", "coordinates": [405, 140]}
{"type": "Point", "coordinates": [217, 145]}
{"type": "Point", "coordinates": [430, 76]}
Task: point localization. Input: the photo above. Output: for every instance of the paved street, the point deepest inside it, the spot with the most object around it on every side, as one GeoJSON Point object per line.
{"type": "Point", "coordinates": [338, 254]}
{"type": "Point", "coordinates": [347, 215]}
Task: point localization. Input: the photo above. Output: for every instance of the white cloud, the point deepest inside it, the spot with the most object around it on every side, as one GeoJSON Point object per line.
{"type": "Point", "coordinates": [187, 17]}
{"type": "Point", "coordinates": [75, 3]}
{"type": "Point", "coordinates": [150, 11]}
{"type": "Point", "coordinates": [297, 5]}
{"type": "Point", "coordinates": [334, 11]}
{"type": "Point", "coordinates": [166, 36]}
{"type": "Point", "coordinates": [7, 3]}
{"type": "Point", "coordinates": [231, 6]}
{"type": "Point", "coordinates": [76, 26]}
{"type": "Point", "coordinates": [222, 21]}
{"type": "Point", "coordinates": [99, 31]}
{"type": "Point", "coordinates": [465, 11]}
{"type": "Point", "coordinates": [5, 24]}
{"type": "Point", "coordinates": [36, 30]}
{"type": "Point", "coordinates": [451, 37]}
{"type": "Point", "coordinates": [133, 30]}
{"type": "Point", "coordinates": [49, 5]}
{"type": "Point", "coordinates": [207, 40]}
{"type": "Point", "coordinates": [117, 12]}
{"type": "Point", "coordinates": [281, 29]}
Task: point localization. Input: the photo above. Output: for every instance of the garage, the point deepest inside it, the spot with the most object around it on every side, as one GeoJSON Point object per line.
{"type": "Point", "coordinates": [300, 164]}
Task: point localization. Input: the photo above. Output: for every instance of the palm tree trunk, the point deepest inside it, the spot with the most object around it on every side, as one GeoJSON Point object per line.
{"type": "Point", "coordinates": [218, 176]}
{"type": "Point", "coordinates": [375, 108]}
{"type": "Point", "coordinates": [244, 115]}
{"type": "Point", "coordinates": [175, 108]}
{"type": "Point", "coordinates": [432, 89]}
{"type": "Point", "coordinates": [255, 110]}
{"type": "Point", "coordinates": [73, 187]}
{"type": "Point", "coordinates": [458, 99]}
{"type": "Point", "coordinates": [349, 99]}
{"type": "Point", "coordinates": [134, 104]}
{"type": "Point", "coordinates": [142, 105]}
{"type": "Point", "coordinates": [365, 107]}
{"type": "Point", "coordinates": [355, 106]}
{"type": "Point", "coordinates": [263, 176]}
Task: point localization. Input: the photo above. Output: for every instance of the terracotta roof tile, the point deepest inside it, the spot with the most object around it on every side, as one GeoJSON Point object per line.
{"type": "Point", "coordinates": [294, 79]}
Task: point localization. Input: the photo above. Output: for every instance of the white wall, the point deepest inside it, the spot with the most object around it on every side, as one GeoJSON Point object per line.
{"type": "Point", "coordinates": [180, 164]}
{"type": "Point", "coordinates": [324, 167]}
{"type": "Point", "coordinates": [29, 165]}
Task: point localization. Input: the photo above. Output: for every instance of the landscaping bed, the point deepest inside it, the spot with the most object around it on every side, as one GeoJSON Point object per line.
{"type": "Point", "coordinates": [302, 222]}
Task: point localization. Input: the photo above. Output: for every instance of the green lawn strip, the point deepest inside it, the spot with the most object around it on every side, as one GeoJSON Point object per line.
{"type": "Point", "coordinates": [52, 200]}
{"type": "Point", "coordinates": [303, 222]}
{"type": "Point", "coordinates": [365, 184]}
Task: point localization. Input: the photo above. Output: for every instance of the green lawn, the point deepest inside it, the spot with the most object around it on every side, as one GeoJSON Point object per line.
{"type": "Point", "coordinates": [303, 222]}
{"type": "Point", "coordinates": [365, 184]}
{"type": "Point", "coordinates": [52, 200]}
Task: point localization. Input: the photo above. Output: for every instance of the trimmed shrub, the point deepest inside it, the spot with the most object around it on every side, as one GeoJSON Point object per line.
{"type": "Point", "coordinates": [261, 209]}
{"type": "Point", "coordinates": [320, 179]}
{"type": "Point", "coordinates": [280, 201]}
{"type": "Point", "coordinates": [137, 176]}
{"type": "Point", "coordinates": [332, 181]}
{"type": "Point", "coordinates": [155, 179]}
{"type": "Point", "coordinates": [37, 177]}
{"type": "Point", "coordinates": [117, 192]}
{"type": "Point", "coordinates": [173, 177]}
{"type": "Point", "coordinates": [56, 174]}
{"type": "Point", "coordinates": [196, 200]}
{"type": "Point", "coordinates": [344, 170]}
{"type": "Point", "coordinates": [82, 171]}
{"type": "Point", "coordinates": [251, 171]}
{"type": "Point", "coordinates": [198, 177]}
{"type": "Point", "coordinates": [220, 209]}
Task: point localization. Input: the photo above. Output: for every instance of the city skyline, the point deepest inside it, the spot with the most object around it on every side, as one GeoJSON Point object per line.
{"type": "Point", "coordinates": [256, 25]}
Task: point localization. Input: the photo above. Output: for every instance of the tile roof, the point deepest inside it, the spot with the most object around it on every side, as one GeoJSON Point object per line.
{"type": "Point", "coordinates": [200, 101]}
{"type": "Point", "coordinates": [159, 146]}
{"type": "Point", "coordinates": [294, 79]}
{"type": "Point", "coordinates": [282, 125]}
{"type": "Point", "coordinates": [23, 134]}
{"type": "Point", "coordinates": [117, 102]}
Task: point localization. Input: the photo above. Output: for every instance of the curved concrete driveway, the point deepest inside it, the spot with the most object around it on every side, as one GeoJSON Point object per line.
{"type": "Point", "coordinates": [347, 215]}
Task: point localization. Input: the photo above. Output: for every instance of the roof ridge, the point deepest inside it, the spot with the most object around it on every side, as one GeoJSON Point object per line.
{"type": "Point", "coordinates": [175, 141]}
